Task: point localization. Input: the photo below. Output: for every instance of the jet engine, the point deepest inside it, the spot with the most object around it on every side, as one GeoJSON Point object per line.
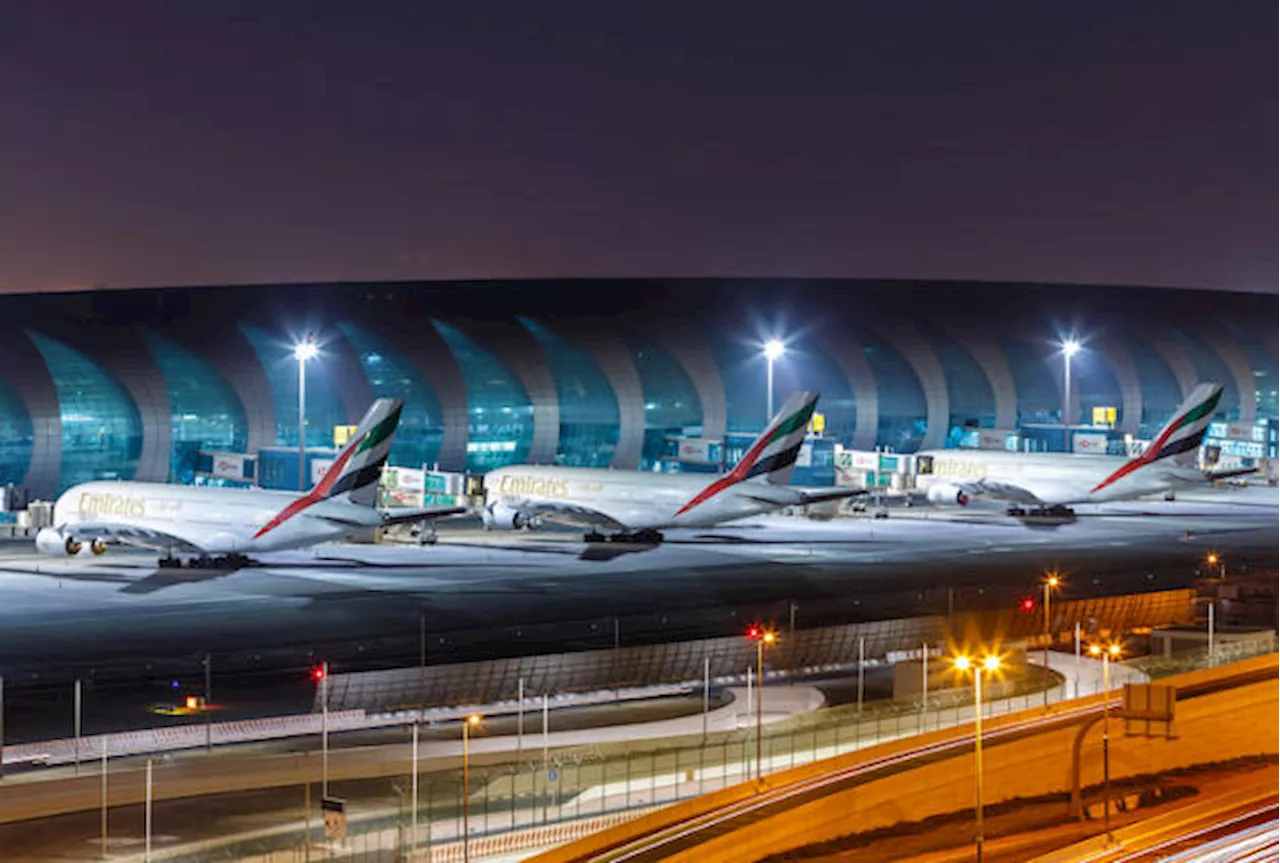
{"type": "Point", "coordinates": [946, 495]}
{"type": "Point", "coordinates": [53, 543]}
{"type": "Point", "coordinates": [499, 516]}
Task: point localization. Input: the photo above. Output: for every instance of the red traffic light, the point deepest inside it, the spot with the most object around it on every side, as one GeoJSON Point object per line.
{"type": "Point", "coordinates": [1028, 604]}
{"type": "Point", "coordinates": [317, 673]}
{"type": "Point", "coordinates": [753, 632]}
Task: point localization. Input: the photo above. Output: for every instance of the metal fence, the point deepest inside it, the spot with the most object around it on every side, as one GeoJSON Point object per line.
{"type": "Point", "coordinates": [804, 652]}
{"type": "Point", "coordinates": [543, 796]}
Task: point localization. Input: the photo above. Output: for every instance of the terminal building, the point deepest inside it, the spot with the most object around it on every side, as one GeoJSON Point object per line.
{"type": "Point", "coordinates": [202, 385]}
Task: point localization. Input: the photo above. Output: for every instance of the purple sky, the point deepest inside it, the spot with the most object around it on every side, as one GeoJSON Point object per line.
{"type": "Point", "coordinates": [146, 143]}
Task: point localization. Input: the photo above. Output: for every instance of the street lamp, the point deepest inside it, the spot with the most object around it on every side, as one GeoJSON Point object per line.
{"type": "Point", "coordinates": [773, 349]}
{"type": "Point", "coordinates": [1051, 583]}
{"type": "Point", "coordinates": [1110, 652]}
{"type": "Point", "coordinates": [763, 638]}
{"type": "Point", "coordinates": [989, 664]}
{"type": "Point", "coordinates": [471, 721]}
{"type": "Point", "coordinates": [1070, 348]}
{"type": "Point", "coordinates": [1214, 559]}
{"type": "Point", "coordinates": [303, 351]}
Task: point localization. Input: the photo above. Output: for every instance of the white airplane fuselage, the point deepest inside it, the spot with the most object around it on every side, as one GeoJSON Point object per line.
{"type": "Point", "coordinates": [217, 521]}
{"type": "Point", "coordinates": [1053, 479]}
{"type": "Point", "coordinates": [635, 500]}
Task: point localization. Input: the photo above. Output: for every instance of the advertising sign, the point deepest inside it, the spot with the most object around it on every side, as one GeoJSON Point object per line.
{"type": "Point", "coordinates": [1104, 416]}
{"type": "Point", "coordinates": [342, 435]}
{"type": "Point", "coordinates": [852, 459]}
{"type": "Point", "coordinates": [696, 450]}
{"type": "Point", "coordinates": [229, 465]}
{"type": "Point", "coordinates": [318, 467]}
{"type": "Point", "coordinates": [1093, 444]}
{"type": "Point", "coordinates": [995, 438]}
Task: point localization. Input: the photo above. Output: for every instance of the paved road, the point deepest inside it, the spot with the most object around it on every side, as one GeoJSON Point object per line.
{"type": "Point", "coordinates": [746, 808]}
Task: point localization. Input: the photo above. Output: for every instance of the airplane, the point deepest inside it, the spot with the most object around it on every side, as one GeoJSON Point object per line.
{"type": "Point", "coordinates": [633, 506]}
{"type": "Point", "coordinates": [1049, 483]}
{"type": "Point", "coordinates": [217, 527]}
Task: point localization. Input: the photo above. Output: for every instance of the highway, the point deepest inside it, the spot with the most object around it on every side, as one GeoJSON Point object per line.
{"type": "Point", "coordinates": [753, 804]}
{"type": "Point", "coordinates": [1248, 835]}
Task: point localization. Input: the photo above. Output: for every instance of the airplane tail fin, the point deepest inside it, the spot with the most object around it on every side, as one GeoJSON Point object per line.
{"type": "Point", "coordinates": [1179, 441]}
{"type": "Point", "coordinates": [1181, 437]}
{"type": "Point", "coordinates": [773, 454]}
{"type": "Point", "coordinates": [357, 469]}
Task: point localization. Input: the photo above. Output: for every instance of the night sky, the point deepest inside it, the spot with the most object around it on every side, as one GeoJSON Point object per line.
{"type": "Point", "coordinates": [153, 143]}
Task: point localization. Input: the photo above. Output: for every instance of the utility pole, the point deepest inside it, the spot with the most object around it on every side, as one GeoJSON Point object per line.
{"type": "Point", "coordinates": [208, 700]}
{"type": "Point", "coordinates": [77, 723]}
{"type": "Point", "coordinates": [103, 825]}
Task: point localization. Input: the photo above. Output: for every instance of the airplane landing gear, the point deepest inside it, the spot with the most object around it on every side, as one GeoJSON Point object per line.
{"type": "Point", "coordinates": [426, 533]}
{"type": "Point", "coordinates": [639, 537]}
{"type": "Point", "coordinates": [226, 561]}
{"type": "Point", "coordinates": [1044, 513]}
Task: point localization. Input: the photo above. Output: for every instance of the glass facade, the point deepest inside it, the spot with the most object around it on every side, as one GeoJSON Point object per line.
{"type": "Point", "coordinates": [15, 436]}
{"type": "Point", "coordinates": [324, 407]}
{"type": "Point", "coordinates": [499, 413]}
{"type": "Point", "coordinates": [391, 375]}
{"type": "Point", "coordinates": [101, 428]}
{"type": "Point", "coordinates": [1210, 367]}
{"type": "Point", "coordinates": [1161, 394]}
{"type": "Point", "coordinates": [204, 412]}
{"type": "Point", "coordinates": [1262, 364]}
{"type": "Point", "coordinates": [970, 399]}
{"type": "Point", "coordinates": [102, 431]}
{"type": "Point", "coordinates": [903, 411]}
{"type": "Point", "coordinates": [671, 403]}
{"type": "Point", "coordinates": [588, 405]}
{"type": "Point", "coordinates": [744, 370]}
{"type": "Point", "coordinates": [1039, 394]}
{"type": "Point", "coordinates": [1095, 383]}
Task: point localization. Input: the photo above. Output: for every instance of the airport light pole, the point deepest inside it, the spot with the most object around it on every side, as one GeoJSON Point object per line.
{"type": "Point", "coordinates": [1050, 583]}
{"type": "Point", "coordinates": [303, 351]}
{"type": "Point", "coordinates": [773, 350]}
{"type": "Point", "coordinates": [763, 638]}
{"type": "Point", "coordinates": [990, 664]}
{"type": "Point", "coordinates": [1111, 651]}
{"type": "Point", "coordinates": [1070, 348]}
{"type": "Point", "coordinates": [470, 722]}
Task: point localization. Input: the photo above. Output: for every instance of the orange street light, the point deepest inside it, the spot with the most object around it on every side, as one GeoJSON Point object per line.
{"type": "Point", "coordinates": [990, 664]}
{"type": "Point", "coordinates": [763, 638]}
{"type": "Point", "coordinates": [471, 721]}
{"type": "Point", "coordinates": [1110, 652]}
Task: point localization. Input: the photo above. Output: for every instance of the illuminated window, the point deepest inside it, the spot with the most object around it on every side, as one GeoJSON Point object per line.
{"type": "Point", "coordinates": [324, 407]}
{"type": "Point", "coordinates": [391, 375]}
{"type": "Point", "coordinates": [498, 406]}
{"type": "Point", "coordinates": [204, 412]}
{"type": "Point", "coordinates": [672, 406]}
{"type": "Point", "coordinates": [588, 405]}
{"type": "Point", "coordinates": [101, 428]}
{"type": "Point", "coordinates": [15, 437]}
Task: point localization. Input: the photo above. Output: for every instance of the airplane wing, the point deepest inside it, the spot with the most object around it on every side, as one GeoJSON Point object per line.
{"type": "Point", "coordinates": [131, 535]}
{"type": "Point", "coordinates": [570, 514]}
{"type": "Point", "coordinates": [996, 490]}
{"type": "Point", "coordinates": [412, 515]}
{"type": "Point", "coordinates": [1213, 475]}
{"type": "Point", "coordinates": [831, 494]}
